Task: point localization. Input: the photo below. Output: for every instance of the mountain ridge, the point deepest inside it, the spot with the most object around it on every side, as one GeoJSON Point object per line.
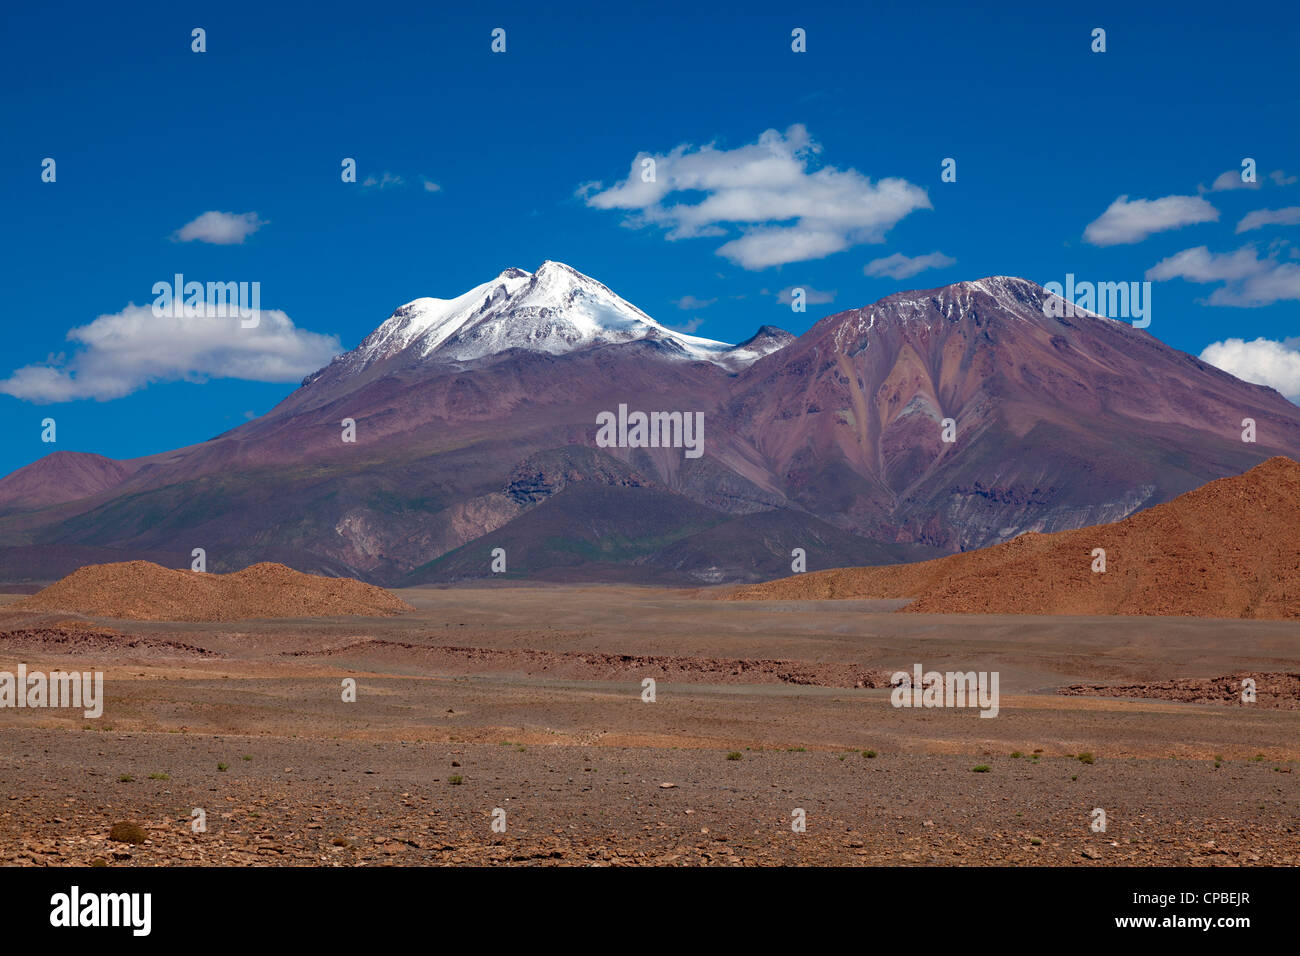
{"type": "Point", "coordinates": [555, 310]}
{"type": "Point", "coordinates": [1059, 422]}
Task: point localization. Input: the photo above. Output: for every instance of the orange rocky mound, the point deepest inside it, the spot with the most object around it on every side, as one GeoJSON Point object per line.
{"type": "Point", "coordinates": [1228, 549]}
{"type": "Point", "coordinates": [144, 591]}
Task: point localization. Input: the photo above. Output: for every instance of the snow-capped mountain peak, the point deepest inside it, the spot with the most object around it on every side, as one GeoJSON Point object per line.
{"type": "Point", "coordinates": [1007, 296]}
{"type": "Point", "coordinates": [556, 309]}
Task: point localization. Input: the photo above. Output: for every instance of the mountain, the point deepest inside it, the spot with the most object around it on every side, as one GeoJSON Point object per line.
{"type": "Point", "coordinates": [763, 342]}
{"type": "Point", "coordinates": [1060, 422]}
{"type": "Point", "coordinates": [1230, 548]}
{"type": "Point", "coordinates": [554, 310]}
{"type": "Point", "coordinates": [61, 476]}
{"type": "Point", "coordinates": [475, 427]}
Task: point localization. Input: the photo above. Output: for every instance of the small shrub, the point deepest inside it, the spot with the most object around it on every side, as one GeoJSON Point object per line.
{"type": "Point", "coordinates": [1086, 758]}
{"type": "Point", "coordinates": [869, 754]}
{"type": "Point", "coordinates": [127, 832]}
{"type": "Point", "coordinates": [982, 768]}
{"type": "Point", "coordinates": [125, 778]}
{"type": "Point", "coordinates": [159, 776]}
{"type": "Point", "coordinates": [1017, 754]}
{"type": "Point", "coordinates": [734, 755]}
{"type": "Point", "coordinates": [223, 767]}
{"type": "Point", "coordinates": [455, 780]}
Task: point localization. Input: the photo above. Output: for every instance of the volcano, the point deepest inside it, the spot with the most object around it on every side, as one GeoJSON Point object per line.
{"type": "Point", "coordinates": [474, 420]}
{"type": "Point", "coordinates": [1060, 422]}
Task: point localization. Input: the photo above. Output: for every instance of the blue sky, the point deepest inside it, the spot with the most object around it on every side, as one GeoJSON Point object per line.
{"type": "Point", "coordinates": [480, 161]}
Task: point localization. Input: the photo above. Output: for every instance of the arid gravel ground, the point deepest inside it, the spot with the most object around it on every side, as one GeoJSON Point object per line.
{"type": "Point", "coordinates": [531, 700]}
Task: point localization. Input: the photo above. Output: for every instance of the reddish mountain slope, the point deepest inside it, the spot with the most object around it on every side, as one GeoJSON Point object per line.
{"type": "Point", "coordinates": [1060, 422]}
{"type": "Point", "coordinates": [1228, 549]}
{"type": "Point", "coordinates": [62, 476]}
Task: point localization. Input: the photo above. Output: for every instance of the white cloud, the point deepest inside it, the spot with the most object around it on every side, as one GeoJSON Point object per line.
{"type": "Point", "coordinates": [1127, 222]}
{"type": "Point", "coordinates": [688, 302]}
{"type": "Point", "coordinates": [1248, 280]}
{"type": "Point", "coordinates": [1231, 180]}
{"type": "Point", "coordinates": [811, 296]}
{"type": "Point", "coordinates": [220, 228]}
{"type": "Point", "coordinates": [1290, 216]}
{"type": "Point", "coordinates": [1202, 265]}
{"type": "Point", "coordinates": [899, 266]}
{"type": "Point", "coordinates": [385, 180]}
{"type": "Point", "coordinates": [1263, 361]}
{"type": "Point", "coordinates": [785, 212]}
{"type": "Point", "coordinates": [1282, 179]}
{"type": "Point", "coordinates": [688, 328]}
{"type": "Point", "coordinates": [128, 350]}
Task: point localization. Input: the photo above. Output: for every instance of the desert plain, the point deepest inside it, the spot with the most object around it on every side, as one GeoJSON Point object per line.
{"type": "Point", "coordinates": [524, 706]}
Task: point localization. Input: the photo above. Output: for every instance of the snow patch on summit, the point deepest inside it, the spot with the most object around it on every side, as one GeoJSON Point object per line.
{"type": "Point", "coordinates": [555, 310]}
